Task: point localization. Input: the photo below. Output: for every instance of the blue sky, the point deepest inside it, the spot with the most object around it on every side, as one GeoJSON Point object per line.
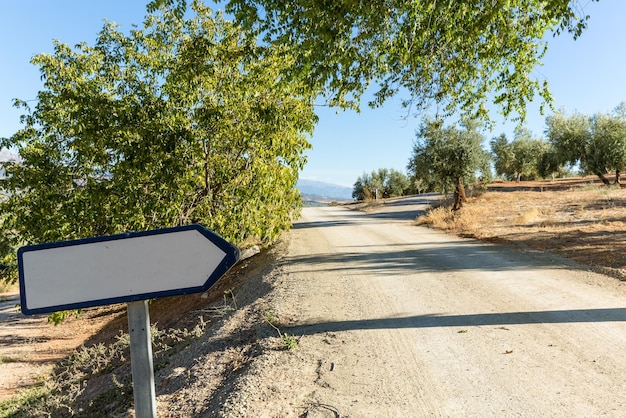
{"type": "Point", "coordinates": [586, 75]}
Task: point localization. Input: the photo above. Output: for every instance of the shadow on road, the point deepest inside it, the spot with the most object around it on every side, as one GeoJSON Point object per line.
{"type": "Point", "coordinates": [363, 218]}
{"type": "Point", "coordinates": [425, 257]}
{"type": "Point", "coordinates": [400, 215]}
{"type": "Point", "coordinates": [324, 224]}
{"type": "Point", "coordinates": [395, 209]}
{"type": "Point", "coordinates": [490, 319]}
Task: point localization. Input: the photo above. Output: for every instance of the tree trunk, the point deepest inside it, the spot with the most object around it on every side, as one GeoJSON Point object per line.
{"type": "Point", "coordinates": [459, 194]}
{"type": "Point", "coordinates": [617, 176]}
{"type": "Point", "coordinates": [604, 179]}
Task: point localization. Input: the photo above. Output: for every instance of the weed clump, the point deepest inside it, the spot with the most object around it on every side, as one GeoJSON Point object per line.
{"type": "Point", "coordinates": [288, 341]}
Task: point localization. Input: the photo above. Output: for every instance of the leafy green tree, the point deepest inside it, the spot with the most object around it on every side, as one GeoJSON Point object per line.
{"type": "Point", "coordinates": [397, 184]}
{"type": "Point", "coordinates": [570, 137]}
{"type": "Point", "coordinates": [181, 121]}
{"type": "Point", "coordinates": [608, 150]}
{"type": "Point", "coordinates": [449, 158]}
{"type": "Point", "coordinates": [450, 52]}
{"type": "Point", "coordinates": [597, 144]}
{"type": "Point", "coordinates": [528, 152]}
{"type": "Point", "coordinates": [377, 182]}
{"type": "Point", "coordinates": [362, 189]}
{"type": "Point", "coordinates": [521, 158]}
{"type": "Point", "coordinates": [382, 183]}
{"type": "Point", "coordinates": [503, 156]}
{"type": "Point", "coordinates": [550, 164]}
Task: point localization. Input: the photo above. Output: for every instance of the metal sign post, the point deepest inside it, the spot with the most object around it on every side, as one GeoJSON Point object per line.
{"type": "Point", "coordinates": [129, 268]}
{"type": "Point", "coordinates": [141, 359]}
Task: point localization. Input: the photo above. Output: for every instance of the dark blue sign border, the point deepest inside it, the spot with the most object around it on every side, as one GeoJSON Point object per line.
{"type": "Point", "coordinates": [230, 259]}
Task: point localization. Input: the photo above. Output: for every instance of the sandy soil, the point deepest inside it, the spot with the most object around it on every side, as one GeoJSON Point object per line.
{"type": "Point", "coordinates": [585, 224]}
{"type": "Point", "coordinates": [30, 347]}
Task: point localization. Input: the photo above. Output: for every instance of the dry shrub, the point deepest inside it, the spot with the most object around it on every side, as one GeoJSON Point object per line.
{"type": "Point", "coordinates": [463, 221]}
{"type": "Point", "coordinates": [529, 216]}
{"type": "Point", "coordinates": [438, 217]}
{"type": "Point", "coordinates": [550, 224]}
{"type": "Point", "coordinates": [6, 287]}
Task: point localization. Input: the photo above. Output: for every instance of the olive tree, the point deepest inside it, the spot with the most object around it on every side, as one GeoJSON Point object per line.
{"type": "Point", "coordinates": [608, 148]}
{"type": "Point", "coordinates": [520, 159]}
{"type": "Point", "coordinates": [597, 144]}
{"type": "Point", "coordinates": [449, 158]}
{"type": "Point", "coordinates": [382, 183]}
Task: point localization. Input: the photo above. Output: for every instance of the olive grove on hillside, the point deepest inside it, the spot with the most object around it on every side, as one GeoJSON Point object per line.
{"type": "Point", "coordinates": [181, 121]}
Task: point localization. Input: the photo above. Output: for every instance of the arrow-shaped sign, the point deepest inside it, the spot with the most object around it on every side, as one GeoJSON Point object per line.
{"type": "Point", "coordinates": [121, 268]}
{"type": "Point", "coordinates": [129, 268]}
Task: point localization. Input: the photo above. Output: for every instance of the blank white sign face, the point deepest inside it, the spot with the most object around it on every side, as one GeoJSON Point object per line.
{"type": "Point", "coordinates": [114, 269]}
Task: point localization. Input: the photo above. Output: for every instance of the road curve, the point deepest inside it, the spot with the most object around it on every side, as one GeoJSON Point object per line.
{"type": "Point", "coordinates": [404, 321]}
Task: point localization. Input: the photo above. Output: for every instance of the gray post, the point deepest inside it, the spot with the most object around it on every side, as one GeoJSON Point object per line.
{"type": "Point", "coordinates": [141, 359]}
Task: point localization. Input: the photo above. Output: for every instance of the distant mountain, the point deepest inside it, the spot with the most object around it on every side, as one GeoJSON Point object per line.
{"type": "Point", "coordinates": [318, 190]}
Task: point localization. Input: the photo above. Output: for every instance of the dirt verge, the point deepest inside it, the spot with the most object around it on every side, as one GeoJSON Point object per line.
{"type": "Point", "coordinates": [575, 218]}
{"type": "Point", "coordinates": [32, 349]}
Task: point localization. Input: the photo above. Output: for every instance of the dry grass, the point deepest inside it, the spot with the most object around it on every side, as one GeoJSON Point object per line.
{"type": "Point", "coordinates": [8, 288]}
{"type": "Point", "coordinates": [587, 224]}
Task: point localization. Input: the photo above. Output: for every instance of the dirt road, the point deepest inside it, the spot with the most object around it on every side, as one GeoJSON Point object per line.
{"type": "Point", "coordinates": [403, 321]}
